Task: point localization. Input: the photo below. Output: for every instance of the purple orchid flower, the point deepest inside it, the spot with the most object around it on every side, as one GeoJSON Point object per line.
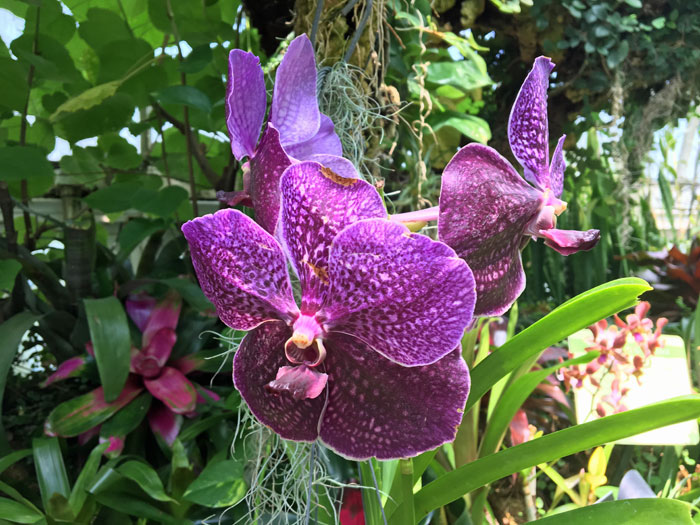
{"type": "Point", "coordinates": [296, 130]}
{"type": "Point", "coordinates": [488, 213]}
{"type": "Point", "coordinates": [370, 362]}
{"type": "Point", "coordinates": [150, 368]}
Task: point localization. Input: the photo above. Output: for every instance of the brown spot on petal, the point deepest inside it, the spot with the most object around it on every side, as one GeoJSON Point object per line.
{"type": "Point", "coordinates": [320, 272]}
{"type": "Point", "coordinates": [338, 179]}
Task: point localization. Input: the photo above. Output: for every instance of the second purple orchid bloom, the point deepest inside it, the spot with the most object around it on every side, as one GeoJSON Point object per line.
{"type": "Point", "coordinates": [296, 130]}
{"type": "Point", "coordinates": [487, 212]}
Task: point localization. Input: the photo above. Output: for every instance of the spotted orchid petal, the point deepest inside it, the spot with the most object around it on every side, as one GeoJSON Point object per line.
{"type": "Point", "coordinates": [246, 101]}
{"type": "Point", "coordinates": [266, 169]}
{"type": "Point", "coordinates": [139, 308]}
{"type": "Point", "coordinates": [382, 409]}
{"type": "Point", "coordinates": [405, 295]}
{"type": "Point", "coordinates": [556, 168]}
{"type": "Point", "coordinates": [295, 110]}
{"type": "Point", "coordinates": [241, 269]}
{"type": "Point", "coordinates": [151, 359]}
{"type": "Point", "coordinates": [317, 203]}
{"type": "Point", "coordinates": [73, 367]}
{"type": "Point", "coordinates": [255, 365]}
{"type": "Point", "coordinates": [567, 242]}
{"type": "Point", "coordinates": [324, 142]}
{"type": "Point", "coordinates": [164, 423]}
{"type": "Point", "coordinates": [173, 389]}
{"type": "Point", "coordinates": [339, 165]}
{"type": "Point", "coordinates": [485, 209]}
{"type": "Point", "coordinates": [528, 128]}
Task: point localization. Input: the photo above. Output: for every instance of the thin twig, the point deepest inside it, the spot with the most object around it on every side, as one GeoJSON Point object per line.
{"type": "Point", "coordinates": [359, 30]}
{"type": "Point", "coordinates": [317, 18]}
{"type": "Point", "coordinates": [312, 462]}
{"type": "Point", "coordinates": [376, 489]}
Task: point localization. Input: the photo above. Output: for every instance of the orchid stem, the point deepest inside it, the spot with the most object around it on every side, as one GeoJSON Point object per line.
{"type": "Point", "coordinates": [406, 512]}
{"type": "Point", "coordinates": [425, 215]}
{"type": "Point", "coordinates": [312, 463]}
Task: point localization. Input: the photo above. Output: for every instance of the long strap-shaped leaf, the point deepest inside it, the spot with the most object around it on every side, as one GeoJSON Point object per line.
{"type": "Point", "coordinates": [575, 314]}
{"type": "Point", "coordinates": [646, 511]}
{"type": "Point", "coordinates": [551, 447]}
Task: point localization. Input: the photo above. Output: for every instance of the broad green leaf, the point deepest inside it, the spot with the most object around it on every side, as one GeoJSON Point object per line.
{"type": "Point", "coordinates": [463, 74]}
{"type": "Point", "coordinates": [618, 54]}
{"type": "Point", "coordinates": [128, 418]}
{"type": "Point", "coordinates": [15, 495]}
{"type": "Point", "coordinates": [190, 292]}
{"type": "Point", "coordinates": [145, 477]}
{"type": "Point", "coordinates": [9, 268]}
{"type": "Point", "coordinates": [87, 99]}
{"type": "Point", "coordinates": [110, 115]}
{"type": "Point", "coordinates": [575, 314]}
{"type": "Point", "coordinates": [11, 333]}
{"type": "Point", "coordinates": [470, 126]}
{"type": "Point", "coordinates": [13, 457]}
{"type": "Point", "coordinates": [50, 470]}
{"type": "Point", "coordinates": [220, 484]}
{"type": "Point", "coordinates": [109, 333]}
{"type": "Point", "coordinates": [198, 59]}
{"type": "Point", "coordinates": [80, 414]}
{"type": "Point", "coordinates": [456, 483]}
{"type": "Point", "coordinates": [370, 502]}
{"type": "Point", "coordinates": [186, 96]}
{"type": "Point", "coordinates": [643, 511]}
{"type": "Point", "coordinates": [667, 200]}
{"type": "Point", "coordinates": [102, 27]}
{"type": "Point", "coordinates": [134, 232]}
{"type": "Point", "coordinates": [13, 84]}
{"type": "Point", "coordinates": [17, 513]}
{"type": "Point", "coordinates": [79, 493]}
{"type": "Point", "coordinates": [24, 162]}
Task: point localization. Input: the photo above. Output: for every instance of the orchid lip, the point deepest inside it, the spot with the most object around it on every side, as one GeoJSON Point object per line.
{"type": "Point", "coordinates": [312, 355]}
{"type": "Point", "coordinates": [557, 204]}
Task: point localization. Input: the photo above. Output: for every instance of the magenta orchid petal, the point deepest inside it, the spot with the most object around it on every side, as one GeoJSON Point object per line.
{"type": "Point", "coordinates": [241, 269]}
{"type": "Point", "coordinates": [139, 307]}
{"type": "Point", "coordinates": [324, 142]}
{"type": "Point", "coordinates": [234, 198]}
{"type": "Point", "coordinates": [301, 382]}
{"type": "Point", "coordinates": [165, 315]}
{"type": "Point", "coordinates": [255, 365]}
{"type": "Point", "coordinates": [528, 128]}
{"type": "Point", "coordinates": [485, 209]}
{"type": "Point", "coordinates": [73, 367]}
{"type": "Point", "coordinates": [246, 102]}
{"type": "Point", "coordinates": [173, 389]}
{"type": "Point", "coordinates": [382, 409]}
{"type": "Point", "coordinates": [317, 203]}
{"type": "Point", "coordinates": [557, 167]}
{"type": "Point", "coordinates": [266, 169]}
{"type": "Point", "coordinates": [164, 423]}
{"type": "Point", "coordinates": [151, 359]}
{"type": "Point", "coordinates": [339, 165]}
{"type": "Point", "coordinates": [295, 110]}
{"type": "Point", "coordinates": [405, 295]}
{"type": "Point", "coordinates": [567, 242]}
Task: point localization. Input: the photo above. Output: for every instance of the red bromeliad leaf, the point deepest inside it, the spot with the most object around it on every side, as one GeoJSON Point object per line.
{"type": "Point", "coordinates": [151, 359]}
{"type": "Point", "coordinates": [71, 368]}
{"type": "Point", "coordinates": [351, 512]}
{"type": "Point", "coordinates": [164, 315]}
{"type": "Point", "coordinates": [164, 423]}
{"type": "Point", "coordinates": [173, 389]}
{"type": "Point", "coordinates": [188, 363]}
{"type": "Point", "coordinates": [80, 414]}
{"type": "Point", "coordinates": [519, 428]}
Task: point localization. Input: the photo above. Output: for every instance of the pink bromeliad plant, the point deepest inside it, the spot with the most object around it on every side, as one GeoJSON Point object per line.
{"type": "Point", "coordinates": [160, 380]}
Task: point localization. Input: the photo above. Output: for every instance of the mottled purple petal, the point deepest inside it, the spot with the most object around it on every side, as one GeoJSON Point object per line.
{"type": "Point", "coordinates": [246, 101]}
{"type": "Point", "coordinates": [255, 365]}
{"type": "Point", "coordinates": [164, 422]}
{"type": "Point", "coordinates": [382, 409]}
{"type": "Point", "coordinates": [556, 169]}
{"type": "Point", "coordinates": [266, 169]}
{"type": "Point", "coordinates": [234, 198]}
{"type": "Point", "coordinates": [139, 307]}
{"type": "Point", "coordinates": [567, 242]}
{"type": "Point", "coordinates": [173, 389]}
{"type": "Point", "coordinates": [339, 165]}
{"type": "Point", "coordinates": [73, 367]}
{"type": "Point", "coordinates": [151, 359]}
{"type": "Point", "coordinates": [325, 142]}
{"type": "Point", "coordinates": [301, 382]}
{"type": "Point", "coordinates": [528, 130]}
{"type": "Point", "coordinates": [485, 208]}
{"type": "Point", "coordinates": [408, 297]}
{"type": "Point", "coordinates": [294, 105]}
{"type": "Point", "coordinates": [164, 315]}
{"type": "Point", "coordinates": [241, 269]}
{"type": "Point", "coordinates": [317, 203]}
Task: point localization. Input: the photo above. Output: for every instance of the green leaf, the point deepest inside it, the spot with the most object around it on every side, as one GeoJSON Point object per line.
{"type": "Point", "coordinates": [643, 511]}
{"type": "Point", "coordinates": [659, 22]}
{"type": "Point", "coordinates": [87, 99]}
{"type": "Point", "coordinates": [145, 477]}
{"type": "Point", "coordinates": [134, 232]}
{"type": "Point", "coordinates": [109, 333]}
{"type": "Point", "coordinates": [220, 484]}
{"type": "Point", "coordinates": [9, 268]}
{"type": "Point", "coordinates": [617, 55]}
{"type": "Point", "coordinates": [467, 478]}
{"type": "Point", "coordinates": [575, 314]}
{"type": "Point", "coordinates": [463, 74]}
{"type": "Point", "coordinates": [198, 59]}
{"type": "Point", "coordinates": [79, 493]}
{"type": "Point", "coordinates": [13, 457]}
{"type": "Point", "coordinates": [190, 292]}
{"type": "Point", "coordinates": [470, 126]}
{"type": "Point", "coordinates": [11, 333]}
{"type": "Point", "coordinates": [13, 84]}
{"type": "Point", "coordinates": [50, 470]}
{"type": "Point", "coordinates": [17, 513]}
{"type": "Point", "coordinates": [667, 200]}
{"type": "Point", "coordinates": [128, 418]}
{"type": "Point", "coordinates": [637, 4]}
{"type": "Point", "coordinates": [370, 503]}
{"type": "Point", "coordinates": [185, 96]}
{"type": "Point", "coordinates": [25, 162]}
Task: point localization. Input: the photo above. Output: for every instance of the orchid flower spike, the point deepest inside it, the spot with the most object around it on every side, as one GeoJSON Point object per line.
{"type": "Point", "coordinates": [370, 361]}
{"type": "Point", "coordinates": [488, 212]}
{"type": "Point", "coordinates": [296, 130]}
